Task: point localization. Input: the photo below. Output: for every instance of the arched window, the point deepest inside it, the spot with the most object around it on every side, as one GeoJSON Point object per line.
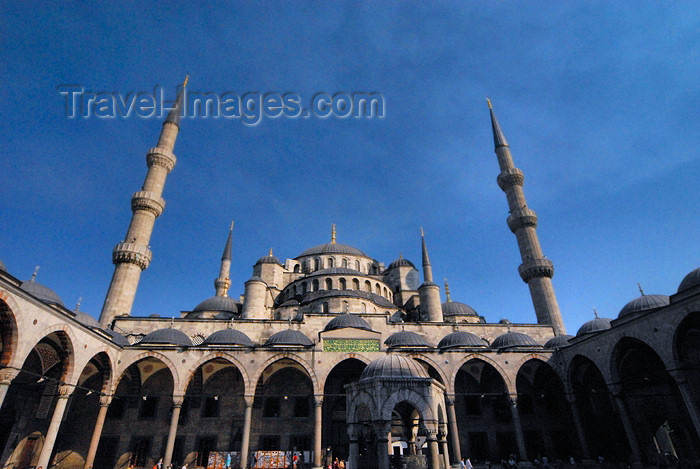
{"type": "Point", "coordinates": [343, 285]}
{"type": "Point", "coordinates": [378, 289]}
{"type": "Point", "coordinates": [325, 307]}
{"type": "Point", "coordinates": [369, 268]}
{"type": "Point", "coordinates": [385, 293]}
{"type": "Point", "coordinates": [303, 288]}
{"type": "Point", "coordinates": [345, 263]}
{"type": "Point", "coordinates": [329, 284]}
{"type": "Point", "coordinates": [305, 266]}
{"type": "Point", "coordinates": [297, 268]}
{"type": "Point", "coordinates": [317, 264]}
{"type": "Point", "coordinates": [357, 265]}
{"type": "Point", "coordinates": [364, 308]}
{"type": "Point", "coordinates": [294, 289]}
{"type": "Point", "coordinates": [355, 284]}
{"type": "Point", "coordinates": [331, 262]}
{"type": "Point", "coordinates": [368, 286]}
{"type": "Point", "coordinates": [345, 307]}
{"type": "Point", "coordinates": [315, 284]}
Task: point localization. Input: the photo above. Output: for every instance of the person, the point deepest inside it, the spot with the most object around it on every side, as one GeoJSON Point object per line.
{"type": "Point", "coordinates": [468, 464]}
{"type": "Point", "coordinates": [336, 464]}
{"type": "Point", "coordinates": [341, 464]}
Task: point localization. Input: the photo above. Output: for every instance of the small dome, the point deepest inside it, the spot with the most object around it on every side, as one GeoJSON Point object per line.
{"type": "Point", "coordinates": [558, 341]}
{"type": "Point", "coordinates": [347, 320]}
{"type": "Point", "coordinates": [690, 280]}
{"type": "Point", "coordinates": [513, 339]}
{"type": "Point", "coordinates": [394, 366]}
{"type": "Point", "coordinates": [116, 337]}
{"type": "Point", "coordinates": [41, 292]}
{"type": "Point", "coordinates": [594, 325]}
{"type": "Point", "coordinates": [406, 339]}
{"type": "Point", "coordinates": [455, 308]}
{"type": "Point", "coordinates": [229, 337]}
{"type": "Point", "coordinates": [269, 259]}
{"type": "Point", "coordinates": [504, 321]}
{"type": "Point", "coordinates": [168, 336]}
{"type": "Point", "coordinates": [154, 315]}
{"type": "Point", "coordinates": [332, 248]}
{"type": "Point", "coordinates": [217, 303]}
{"type": "Point", "coordinates": [289, 337]}
{"type": "Point", "coordinates": [461, 339]}
{"type": "Point", "coordinates": [643, 303]}
{"type": "Point", "coordinates": [86, 319]}
{"type": "Point", "coordinates": [401, 262]}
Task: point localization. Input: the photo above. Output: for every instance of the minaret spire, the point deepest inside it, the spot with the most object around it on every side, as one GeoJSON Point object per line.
{"type": "Point", "coordinates": [133, 255]}
{"type": "Point", "coordinates": [429, 292]}
{"type": "Point", "coordinates": [447, 291]}
{"type": "Point", "coordinates": [536, 270]}
{"type": "Point", "coordinates": [223, 282]}
{"type": "Point", "coordinates": [333, 233]}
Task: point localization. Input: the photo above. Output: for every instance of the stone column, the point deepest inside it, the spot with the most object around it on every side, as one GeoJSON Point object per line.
{"type": "Point", "coordinates": [172, 433]}
{"type": "Point", "coordinates": [64, 393]}
{"type": "Point", "coordinates": [434, 450]}
{"type": "Point", "coordinates": [354, 450]}
{"type": "Point", "coordinates": [97, 432]}
{"type": "Point", "coordinates": [517, 426]}
{"type": "Point", "coordinates": [6, 377]}
{"type": "Point", "coordinates": [381, 429]}
{"type": "Point", "coordinates": [318, 431]}
{"type": "Point", "coordinates": [687, 396]}
{"type": "Point", "coordinates": [627, 424]}
{"type": "Point", "coordinates": [245, 440]}
{"type": "Point", "coordinates": [454, 433]}
{"type": "Point", "coordinates": [579, 427]}
{"type": "Point", "coordinates": [442, 438]}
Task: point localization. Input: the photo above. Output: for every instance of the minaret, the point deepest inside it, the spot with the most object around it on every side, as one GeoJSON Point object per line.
{"type": "Point", "coordinates": [223, 283]}
{"type": "Point", "coordinates": [536, 270]}
{"type": "Point", "coordinates": [133, 255]}
{"type": "Point", "coordinates": [429, 292]}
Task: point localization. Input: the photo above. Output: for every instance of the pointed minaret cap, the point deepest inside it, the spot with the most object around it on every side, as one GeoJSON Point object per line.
{"type": "Point", "coordinates": [499, 140]}
{"type": "Point", "coordinates": [176, 111]}
{"type": "Point", "coordinates": [227, 248]}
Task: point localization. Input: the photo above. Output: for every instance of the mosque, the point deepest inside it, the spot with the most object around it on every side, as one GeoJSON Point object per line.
{"type": "Point", "coordinates": [333, 353]}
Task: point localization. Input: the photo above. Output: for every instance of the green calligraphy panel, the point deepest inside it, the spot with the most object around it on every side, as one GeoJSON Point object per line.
{"type": "Point", "coordinates": [350, 345]}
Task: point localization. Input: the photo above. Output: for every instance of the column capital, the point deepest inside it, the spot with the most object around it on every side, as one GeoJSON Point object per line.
{"type": "Point", "coordinates": [450, 399]}
{"type": "Point", "coordinates": [65, 390]}
{"type": "Point", "coordinates": [381, 428]}
{"type": "Point", "coordinates": [7, 375]}
{"type": "Point", "coordinates": [178, 400]}
{"type": "Point", "coordinates": [318, 401]}
{"type": "Point", "coordinates": [248, 400]}
{"type": "Point", "coordinates": [106, 400]}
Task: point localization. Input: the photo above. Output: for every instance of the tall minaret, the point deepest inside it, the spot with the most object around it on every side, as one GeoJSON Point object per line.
{"type": "Point", "coordinates": [133, 255]}
{"type": "Point", "coordinates": [536, 270]}
{"type": "Point", "coordinates": [223, 283]}
{"type": "Point", "coordinates": [429, 292]}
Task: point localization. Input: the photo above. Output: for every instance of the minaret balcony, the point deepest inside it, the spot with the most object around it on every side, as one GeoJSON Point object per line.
{"type": "Point", "coordinates": [534, 268]}
{"type": "Point", "coordinates": [161, 157]}
{"type": "Point", "coordinates": [132, 253]}
{"type": "Point", "coordinates": [510, 177]}
{"type": "Point", "coordinates": [145, 200]}
{"type": "Point", "coordinates": [521, 218]}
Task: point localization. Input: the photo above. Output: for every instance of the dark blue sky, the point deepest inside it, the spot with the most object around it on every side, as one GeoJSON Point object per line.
{"type": "Point", "coordinates": [597, 99]}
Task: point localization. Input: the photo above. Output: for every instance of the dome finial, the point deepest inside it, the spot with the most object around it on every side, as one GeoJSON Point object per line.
{"type": "Point", "coordinates": [447, 291]}
{"type": "Point", "coordinates": [640, 288]}
{"type": "Point", "coordinates": [77, 305]}
{"type": "Point", "coordinates": [333, 233]}
{"type": "Point", "coordinates": [595, 312]}
{"type": "Point", "coordinates": [400, 255]}
{"type": "Point", "coordinates": [270, 253]}
{"type": "Point", "coordinates": [488, 101]}
{"type": "Point", "coordinates": [36, 271]}
{"type": "Point", "coordinates": [187, 80]}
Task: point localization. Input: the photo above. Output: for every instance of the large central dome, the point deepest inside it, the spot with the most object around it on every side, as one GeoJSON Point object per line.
{"type": "Point", "coordinates": [333, 248]}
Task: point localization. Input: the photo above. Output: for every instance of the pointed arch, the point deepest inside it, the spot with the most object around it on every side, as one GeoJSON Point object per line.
{"type": "Point", "coordinates": [250, 390]}
{"type": "Point", "coordinates": [192, 369]}
{"type": "Point", "coordinates": [510, 385]}
{"type": "Point", "coordinates": [422, 407]}
{"type": "Point", "coordinates": [144, 355]}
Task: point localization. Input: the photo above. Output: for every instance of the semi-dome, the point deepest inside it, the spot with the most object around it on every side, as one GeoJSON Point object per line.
{"type": "Point", "coordinates": [41, 292]}
{"type": "Point", "coordinates": [116, 337]}
{"type": "Point", "coordinates": [513, 339]}
{"type": "Point", "coordinates": [217, 303]}
{"type": "Point", "coordinates": [167, 336]}
{"type": "Point", "coordinates": [401, 262]}
{"type": "Point", "coordinates": [393, 366]}
{"type": "Point", "coordinates": [289, 337]}
{"type": "Point", "coordinates": [461, 339]}
{"type": "Point", "coordinates": [332, 248]}
{"type": "Point", "coordinates": [347, 320]}
{"type": "Point", "coordinates": [690, 280]}
{"type": "Point", "coordinates": [558, 341]}
{"type": "Point", "coordinates": [643, 303]}
{"type": "Point", "coordinates": [229, 337]}
{"type": "Point", "coordinates": [406, 339]}
{"type": "Point", "coordinates": [455, 308]}
{"type": "Point", "coordinates": [594, 325]}
{"type": "Point", "coordinates": [86, 319]}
